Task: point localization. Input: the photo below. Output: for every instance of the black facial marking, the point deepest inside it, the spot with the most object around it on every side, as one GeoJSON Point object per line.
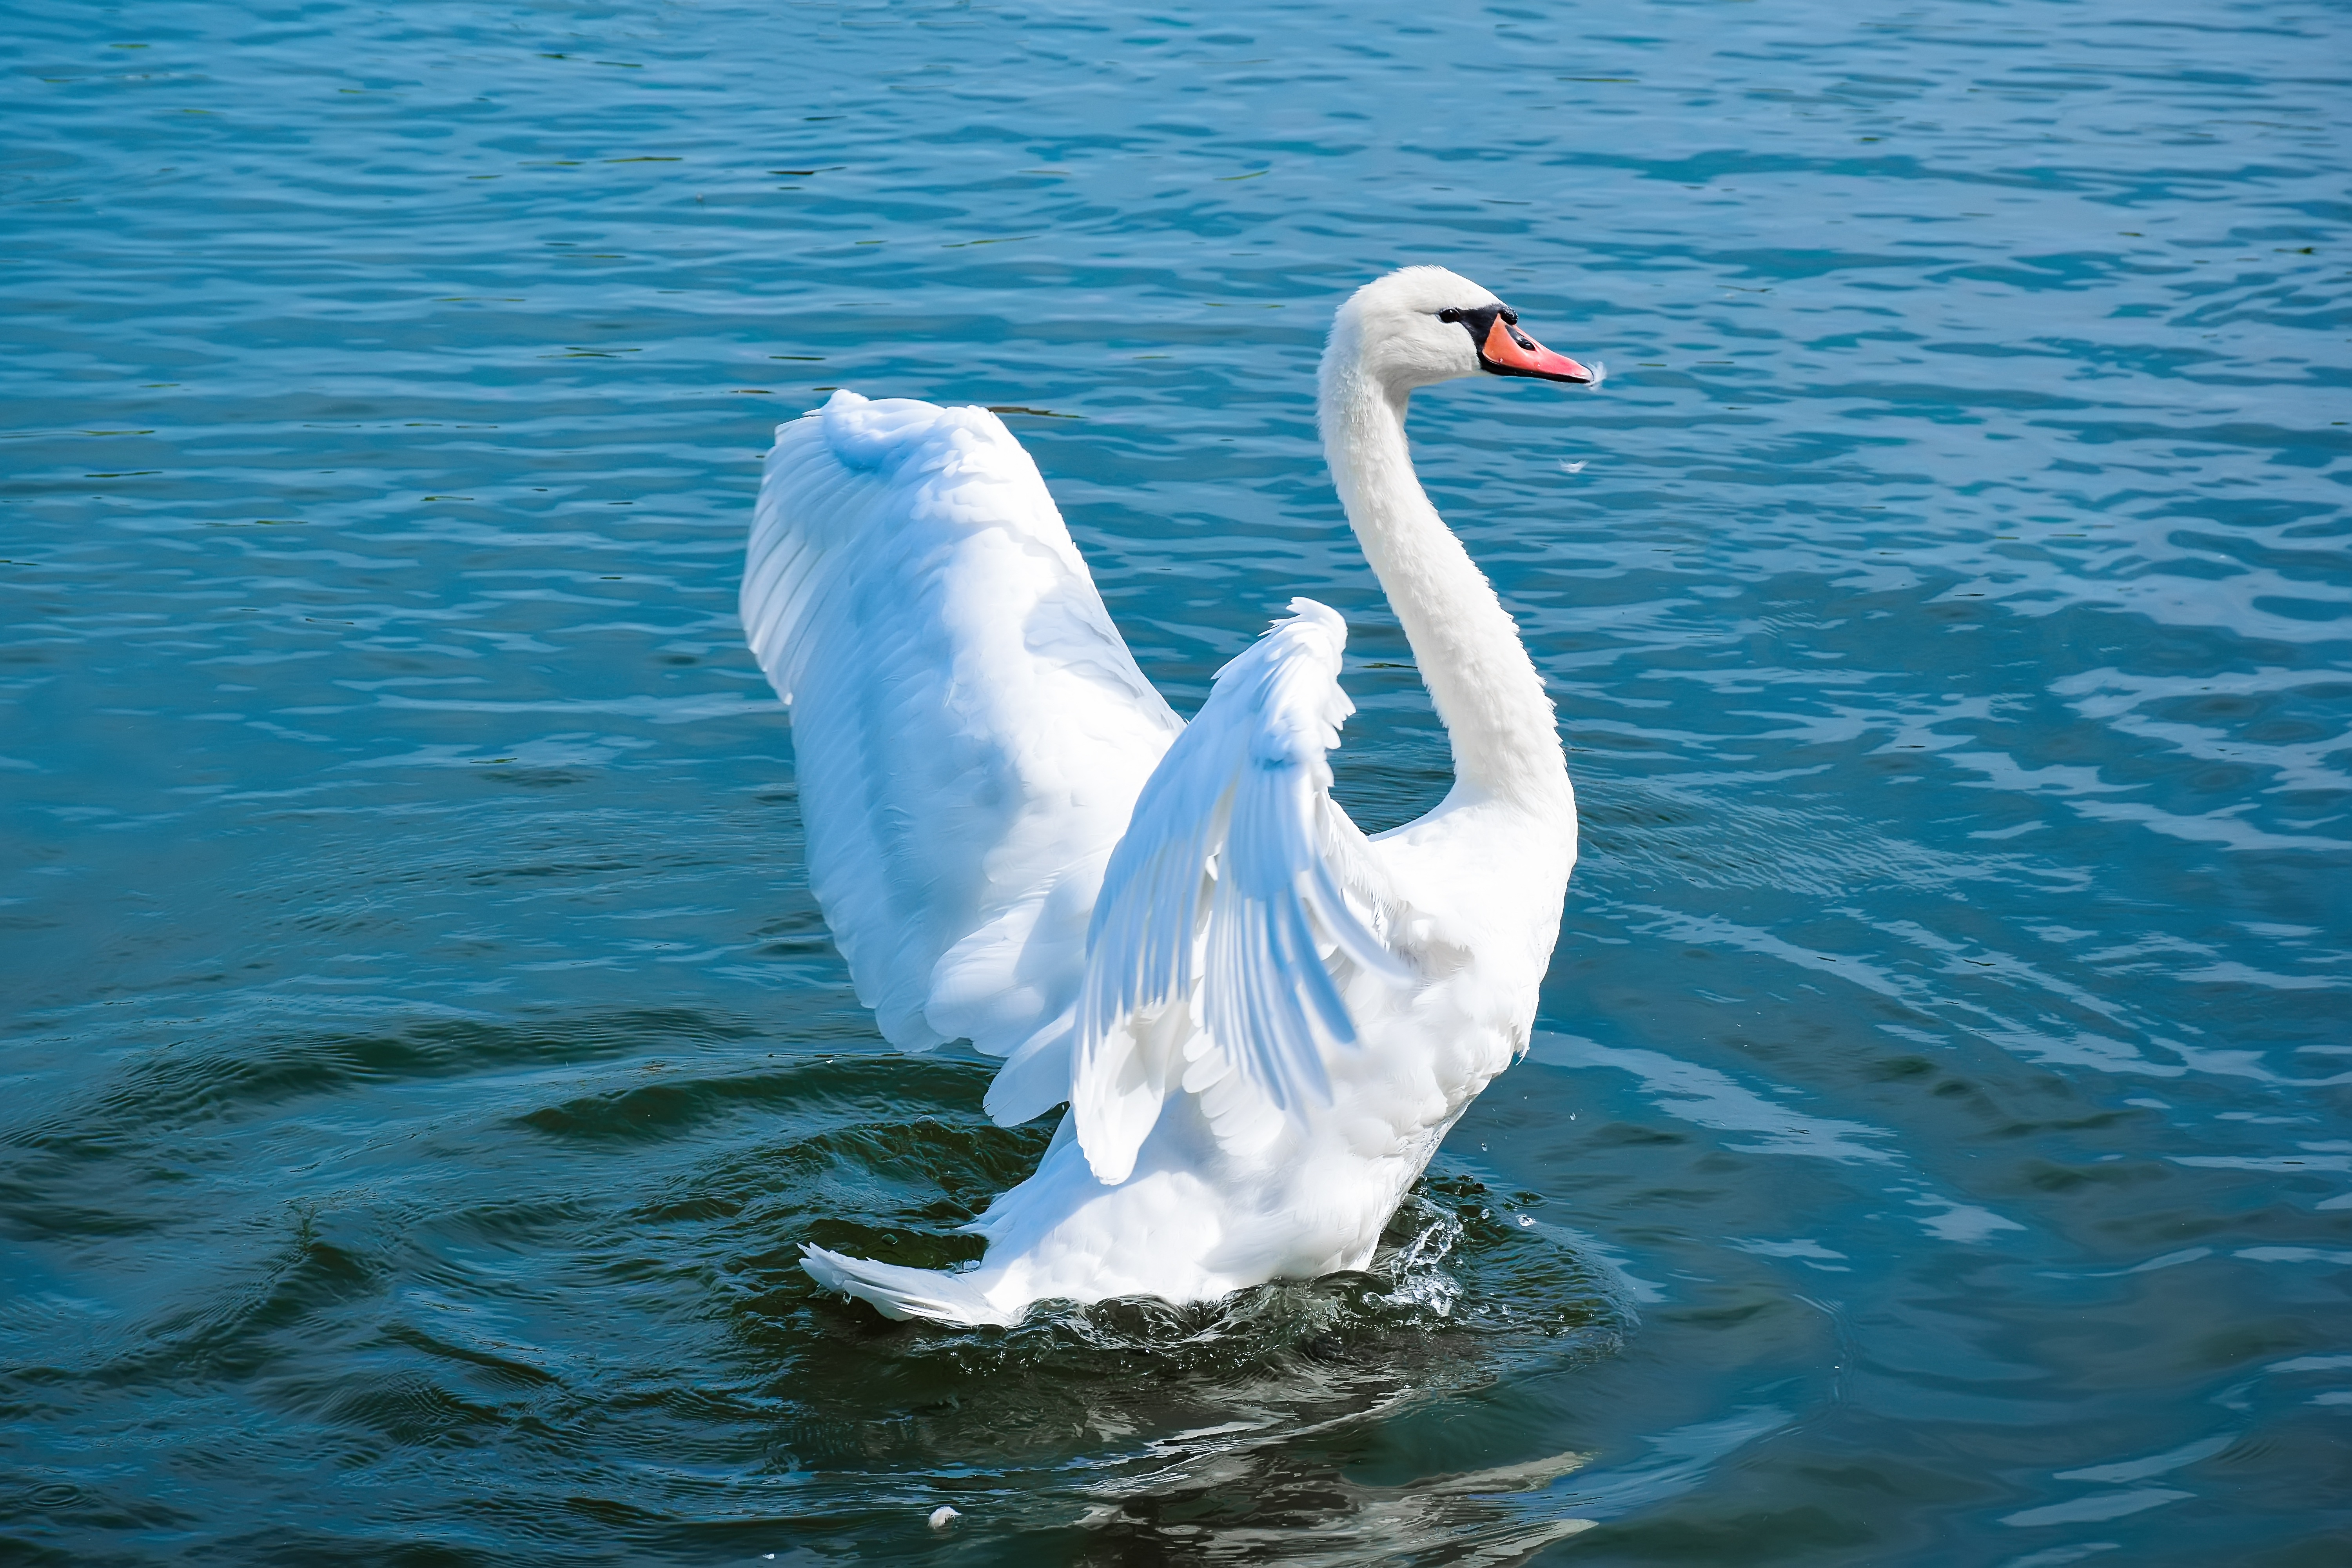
{"type": "Point", "coordinates": [1480, 322]}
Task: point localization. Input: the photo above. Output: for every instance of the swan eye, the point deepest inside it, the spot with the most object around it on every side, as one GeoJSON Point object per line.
{"type": "Point", "coordinates": [1454, 316]}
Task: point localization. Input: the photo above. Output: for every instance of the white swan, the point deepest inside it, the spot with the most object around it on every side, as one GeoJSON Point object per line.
{"type": "Point", "coordinates": [1262, 1022]}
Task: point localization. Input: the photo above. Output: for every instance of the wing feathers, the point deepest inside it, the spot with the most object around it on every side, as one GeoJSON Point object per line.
{"type": "Point", "coordinates": [972, 740]}
{"type": "Point", "coordinates": [970, 731]}
{"type": "Point", "coordinates": [1223, 900]}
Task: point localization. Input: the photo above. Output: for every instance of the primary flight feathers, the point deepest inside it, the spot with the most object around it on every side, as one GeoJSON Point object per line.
{"type": "Point", "coordinates": [1233, 877]}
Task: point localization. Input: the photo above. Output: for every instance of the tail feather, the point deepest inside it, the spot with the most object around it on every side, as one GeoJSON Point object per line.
{"type": "Point", "coordinates": [900, 1292]}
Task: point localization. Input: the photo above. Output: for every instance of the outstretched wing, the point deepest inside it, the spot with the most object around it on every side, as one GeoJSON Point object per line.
{"type": "Point", "coordinates": [970, 731]}
{"type": "Point", "coordinates": [1239, 898]}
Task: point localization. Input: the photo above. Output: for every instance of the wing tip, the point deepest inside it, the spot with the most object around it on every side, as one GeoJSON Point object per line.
{"type": "Point", "coordinates": [1111, 1121]}
{"type": "Point", "coordinates": [869, 434]}
{"type": "Point", "coordinates": [1109, 1155]}
{"type": "Point", "coordinates": [1315, 613]}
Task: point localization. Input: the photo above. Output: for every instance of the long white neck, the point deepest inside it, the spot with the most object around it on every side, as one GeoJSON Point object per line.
{"type": "Point", "coordinates": [1486, 689]}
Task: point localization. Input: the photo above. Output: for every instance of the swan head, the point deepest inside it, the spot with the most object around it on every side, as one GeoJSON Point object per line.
{"type": "Point", "coordinates": [1422, 325]}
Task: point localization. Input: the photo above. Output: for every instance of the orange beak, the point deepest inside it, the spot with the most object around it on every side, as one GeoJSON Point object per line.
{"type": "Point", "coordinates": [1510, 351]}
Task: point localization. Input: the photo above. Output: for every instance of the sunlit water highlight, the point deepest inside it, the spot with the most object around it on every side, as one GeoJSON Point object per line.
{"type": "Point", "coordinates": [423, 1058]}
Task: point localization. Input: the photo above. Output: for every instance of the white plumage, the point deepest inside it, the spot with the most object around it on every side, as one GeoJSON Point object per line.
{"type": "Point", "coordinates": [1262, 1021]}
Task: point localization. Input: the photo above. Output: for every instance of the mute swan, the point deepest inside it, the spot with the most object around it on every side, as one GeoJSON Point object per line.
{"type": "Point", "coordinates": [1262, 1021]}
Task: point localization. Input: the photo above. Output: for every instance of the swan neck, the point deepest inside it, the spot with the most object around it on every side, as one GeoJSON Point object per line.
{"type": "Point", "coordinates": [1485, 688]}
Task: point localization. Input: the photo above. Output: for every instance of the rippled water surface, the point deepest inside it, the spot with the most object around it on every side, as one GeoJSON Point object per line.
{"type": "Point", "coordinates": [423, 1058]}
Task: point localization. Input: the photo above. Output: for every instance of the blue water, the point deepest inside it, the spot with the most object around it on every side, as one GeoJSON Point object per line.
{"type": "Point", "coordinates": [423, 1058]}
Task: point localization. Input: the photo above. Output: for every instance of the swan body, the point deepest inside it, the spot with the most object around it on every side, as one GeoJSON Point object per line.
{"type": "Point", "coordinates": [1262, 1021]}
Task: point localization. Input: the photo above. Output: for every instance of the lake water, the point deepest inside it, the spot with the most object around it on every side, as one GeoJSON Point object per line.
{"type": "Point", "coordinates": [423, 1058]}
